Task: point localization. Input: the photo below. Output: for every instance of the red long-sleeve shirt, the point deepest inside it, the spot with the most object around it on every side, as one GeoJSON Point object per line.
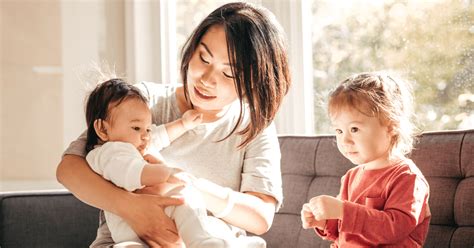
{"type": "Point", "coordinates": [382, 208]}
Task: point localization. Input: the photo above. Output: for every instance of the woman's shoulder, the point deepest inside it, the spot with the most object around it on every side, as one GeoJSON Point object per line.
{"type": "Point", "coordinates": [151, 89]}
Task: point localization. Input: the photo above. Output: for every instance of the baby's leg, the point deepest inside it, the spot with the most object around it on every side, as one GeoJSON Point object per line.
{"type": "Point", "coordinates": [122, 233]}
{"type": "Point", "coordinates": [234, 235]}
{"type": "Point", "coordinates": [130, 244]}
{"type": "Point", "coordinates": [193, 223]}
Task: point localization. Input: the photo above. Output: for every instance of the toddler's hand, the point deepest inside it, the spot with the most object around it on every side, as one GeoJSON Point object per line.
{"type": "Point", "coordinates": [325, 207]}
{"type": "Point", "coordinates": [191, 119]}
{"type": "Point", "coordinates": [307, 217]}
{"type": "Point", "coordinates": [308, 220]}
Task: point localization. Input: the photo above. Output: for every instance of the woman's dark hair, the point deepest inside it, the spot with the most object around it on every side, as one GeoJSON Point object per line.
{"type": "Point", "coordinates": [258, 58]}
{"type": "Point", "coordinates": [106, 95]}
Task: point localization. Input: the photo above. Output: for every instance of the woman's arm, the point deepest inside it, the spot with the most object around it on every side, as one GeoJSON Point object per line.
{"type": "Point", "coordinates": [253, 212]}
{"type": "Point", "coordinates": [254, 209]}
{"type": "Point", "coordinates": [145, 215]}
{"type": "Point", "coordinates": [250, 211]}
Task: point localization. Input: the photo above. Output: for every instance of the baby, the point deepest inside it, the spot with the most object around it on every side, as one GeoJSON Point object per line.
{"type": "Point", "coordinates": [120, 131]}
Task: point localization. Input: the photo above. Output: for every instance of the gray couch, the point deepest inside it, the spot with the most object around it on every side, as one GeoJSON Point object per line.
{"type": "Point", "coordinates": [310, 166]}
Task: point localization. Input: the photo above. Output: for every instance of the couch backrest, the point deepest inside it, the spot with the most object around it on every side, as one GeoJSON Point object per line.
{"type": "Point", "coordinates": [313, 166]}
{"type": "Point", "coordinates": [310, 166]}
{"type": "Point", "coordinates": [46, 219]}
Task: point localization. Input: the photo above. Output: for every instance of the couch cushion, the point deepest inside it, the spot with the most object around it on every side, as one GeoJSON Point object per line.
{"type": "Point", "coordinates": [51, 219]}
{"type": "Point", "coordinates": [312, 165]}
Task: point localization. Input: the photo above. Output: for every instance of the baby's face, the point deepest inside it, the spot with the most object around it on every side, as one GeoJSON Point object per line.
{"type": "Point", "coordinates": [130, 122]}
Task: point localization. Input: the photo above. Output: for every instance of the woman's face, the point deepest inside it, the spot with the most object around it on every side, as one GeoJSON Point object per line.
{"type": "Point", "coordinates": [210, 80]}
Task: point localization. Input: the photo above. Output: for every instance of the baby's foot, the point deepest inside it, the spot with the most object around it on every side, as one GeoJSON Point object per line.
{"type": "Point", "coordinates": [250, 242]}
{"type": "Point", "coordinates": [211, 243]}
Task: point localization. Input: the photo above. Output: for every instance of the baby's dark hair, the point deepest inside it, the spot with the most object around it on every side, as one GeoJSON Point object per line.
{"type": "Point", "coordinates": [99, 102]}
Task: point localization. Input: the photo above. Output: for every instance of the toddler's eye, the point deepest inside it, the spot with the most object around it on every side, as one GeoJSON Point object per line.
{"type": "Point", "coordinates": [148, 130]}
{"type": "Point", "coordinates": [338, 131]}
{"type": "Point", "coordinates": [136, 128]}
{"type": "Point", "coordinates": [354, 129]}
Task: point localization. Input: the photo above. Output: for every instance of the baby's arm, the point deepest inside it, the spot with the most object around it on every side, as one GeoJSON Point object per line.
{"type": "Point", "coordinates": [153, 174]}
{"type": "Point", "coordinates": [122, 164]}
{"type": "Point", "coordinates": [188, 121]}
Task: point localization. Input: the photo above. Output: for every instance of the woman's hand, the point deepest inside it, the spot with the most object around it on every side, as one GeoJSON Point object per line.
{"type": "Point", "coordinates": [147, 218]}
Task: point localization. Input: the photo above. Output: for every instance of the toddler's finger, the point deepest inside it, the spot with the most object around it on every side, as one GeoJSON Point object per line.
{"type": "Point", "coordinates": [318, 215]}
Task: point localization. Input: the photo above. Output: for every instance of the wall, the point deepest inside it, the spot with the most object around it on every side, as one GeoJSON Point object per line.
{"type": "Point", "coordinates": [31, 90]}
{"type": "Point", "coordinates": [45, 48]}
{"type": "Point", "coordinates": [2, 35]}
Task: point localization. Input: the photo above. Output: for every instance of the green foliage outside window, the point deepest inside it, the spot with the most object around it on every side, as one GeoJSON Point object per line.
{"type": "Point", "coordinates": [430, 43]}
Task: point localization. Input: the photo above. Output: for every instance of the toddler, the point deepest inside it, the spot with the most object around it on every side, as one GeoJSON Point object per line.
{"type": "Point", "coordinates": [383, 201]}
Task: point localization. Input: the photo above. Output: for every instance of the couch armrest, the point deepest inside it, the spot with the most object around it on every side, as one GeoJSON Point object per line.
{"type": "Point", "coordinates": [46, 219]}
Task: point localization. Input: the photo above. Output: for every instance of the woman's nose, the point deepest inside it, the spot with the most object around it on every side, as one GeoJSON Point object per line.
{"type": "Point", "coordinates": [207, 79]}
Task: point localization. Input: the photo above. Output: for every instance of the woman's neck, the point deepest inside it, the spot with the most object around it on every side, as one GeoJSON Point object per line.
{"type": "Point", "coordinates": [212, 115]}
{"type": "Point", "coordinates": [208, 115]}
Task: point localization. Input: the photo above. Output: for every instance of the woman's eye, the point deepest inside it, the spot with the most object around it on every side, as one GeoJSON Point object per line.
{"type": "Point", "coordinates": [338, 131]}
{"type": "Point", "coordinates": [354, 129]}
{"type": "Point", "coordinates": [202, 59]}
{"type": "Point", "coordinates": [227, 75]}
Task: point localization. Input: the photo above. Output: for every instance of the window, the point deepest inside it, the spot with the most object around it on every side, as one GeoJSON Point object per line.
{"type": "Point", "coordinates": [427, 42]}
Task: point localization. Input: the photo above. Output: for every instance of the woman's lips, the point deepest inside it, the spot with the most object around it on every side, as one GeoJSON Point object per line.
{"type": "Point", "coordinates": [203, 95]}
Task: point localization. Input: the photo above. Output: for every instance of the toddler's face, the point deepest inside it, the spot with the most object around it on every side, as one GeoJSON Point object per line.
{"type": "Point", "coordinates": [361, 139]}
{"type": "Point", "coordinates": [130, 122]}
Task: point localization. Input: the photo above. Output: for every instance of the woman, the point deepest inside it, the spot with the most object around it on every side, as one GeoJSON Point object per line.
{"type": "Point", "coordinates": [235, 72]}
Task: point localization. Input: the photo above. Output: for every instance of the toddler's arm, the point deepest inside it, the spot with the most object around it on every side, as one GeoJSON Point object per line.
{"type": "Point", "coordinates": [322, 213]}
{"type": "Point", "coordinates": [394, 219]}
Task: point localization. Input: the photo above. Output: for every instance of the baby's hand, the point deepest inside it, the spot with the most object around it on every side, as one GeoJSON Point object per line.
{"type": "Point", "coordinates": [178, 176]}
{"type": "Point", "coordinates": [325, 207]}
{"type": "Point", "coordinates": [191, 119]}
{"type": "Point", "coordinates": [152, 159]}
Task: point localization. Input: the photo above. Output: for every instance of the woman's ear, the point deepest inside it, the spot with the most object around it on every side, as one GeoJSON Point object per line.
{"type": "Point", "coordinates": [100, 127]}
